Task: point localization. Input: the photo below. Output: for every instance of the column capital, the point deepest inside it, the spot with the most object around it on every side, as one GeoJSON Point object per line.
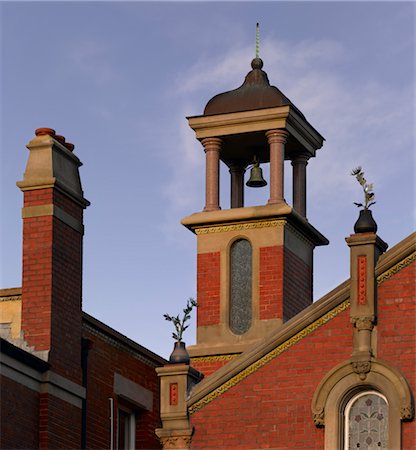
{"type": "Point", "coordinates": [363, 323]}
{"type": "Point", "coordinates": [237, 168]}
{"type": "Point", "coordinates": [301, 158]}
{"type": "Point", "coordinates": [277, 136]}
{"type": "Point", "coordinates": [211, 143]}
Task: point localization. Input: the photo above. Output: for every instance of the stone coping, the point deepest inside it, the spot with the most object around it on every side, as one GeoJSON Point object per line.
{"type": "Point", "coordinates": [329, 305]}
{"type": "Point", "coordinates": [26, 358]}
{"type": "Point", "coordinates": [11, 292]}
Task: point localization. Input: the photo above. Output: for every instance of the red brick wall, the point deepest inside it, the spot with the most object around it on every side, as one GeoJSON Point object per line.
{"type": "Point", "coordinates": [271, 282]}
{"type": "Point", "coordinates": [59, 423]}
{"type": "Point", "coordinates": [37, 281]}
{"type": "Point", "coordinates": [397, 332]}
{"type": "Point", "coordinates": [67, 292]}
{"type": "Point", "coordinates": [52, 283]}
{"type": "Point", "coordinates": [104, 360]}
{"type": "Point", "coordinates": [207, 367]}
{"type": "Point", "coordinates": [297, 285]}
{"type": "Point", "coordinates": [285, 283]}
{"type": "Point", "coordinates": [19, 416]}
{"type": "Point", "coordinates": [272, 407]}
{"type": "Point", "coordinates": [208, 288]}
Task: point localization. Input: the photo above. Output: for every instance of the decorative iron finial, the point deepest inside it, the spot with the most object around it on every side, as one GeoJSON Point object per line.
{"type": "Point", "coordinates": [365, 222]}
{"type": "Point", "coordinates": [369, 196]}
{"type": "Point", "coordinates": [178, 323]}
{"type": "Point", "coordinates": [257, 40]}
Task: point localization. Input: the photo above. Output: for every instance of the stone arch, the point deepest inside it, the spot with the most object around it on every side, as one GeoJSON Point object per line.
{"type": "Point", "coordinates": [344, 381]}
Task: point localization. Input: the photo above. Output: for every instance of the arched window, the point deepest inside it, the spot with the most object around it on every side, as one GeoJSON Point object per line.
{"type": "Point", "coordinates": [240, 286]}
{"type": "Point", "coordinates": [366, 419]}
{"type": "Point", "coordinates": [351, 414]}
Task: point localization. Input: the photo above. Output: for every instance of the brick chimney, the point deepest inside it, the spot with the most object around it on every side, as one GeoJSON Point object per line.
{"type": "Point", "coordinates": [52, 252]}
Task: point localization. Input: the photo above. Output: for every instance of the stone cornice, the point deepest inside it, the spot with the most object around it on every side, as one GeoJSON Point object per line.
{"type": "Point", "coordinates": [240, 226]}
{"type": "Point", "coordinates": [253, 217]}
{"type": "Point", "coordinates": [280, 117]}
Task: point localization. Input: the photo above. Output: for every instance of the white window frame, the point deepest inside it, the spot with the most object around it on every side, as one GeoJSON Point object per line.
{"type": "Point", "coordinates": [348, 407]}
{"type": "Point", "coordinates": [129, 429]}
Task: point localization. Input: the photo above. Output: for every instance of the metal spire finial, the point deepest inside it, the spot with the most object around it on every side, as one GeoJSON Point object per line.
{"type": "Point", "coordinates": [257, 41]}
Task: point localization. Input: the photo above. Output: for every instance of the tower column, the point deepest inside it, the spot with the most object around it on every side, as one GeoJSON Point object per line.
{"type": "Point", "coordinates": [277, 139]}
{"type": "Point", "coordinates": [237, 185]}
{"type": "Point", "coordinates": [212, 147]}
{"type": "Point", "coordinates": [299, 164]}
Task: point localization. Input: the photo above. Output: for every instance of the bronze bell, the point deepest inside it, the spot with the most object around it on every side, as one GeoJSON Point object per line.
{"type": "Point", "coordinates": [256, 176]}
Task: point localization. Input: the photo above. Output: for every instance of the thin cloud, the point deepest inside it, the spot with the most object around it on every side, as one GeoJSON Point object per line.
{"type": "Point", "coordinates": [185, 169]}
{"type": "Point", "coordinates": [364, 123]}
{"type": "Point", "coordinates": [92, 59]}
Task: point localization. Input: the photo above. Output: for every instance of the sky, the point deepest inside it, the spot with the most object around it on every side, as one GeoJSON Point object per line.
{"type": "Point", "coordinates": [118, 80]}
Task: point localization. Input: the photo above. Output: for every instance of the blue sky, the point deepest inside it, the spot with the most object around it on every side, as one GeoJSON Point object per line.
{"type": "Point", "coordinates": [119, 78]}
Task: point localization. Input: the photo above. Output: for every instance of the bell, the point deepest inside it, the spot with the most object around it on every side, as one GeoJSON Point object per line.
{"type": "Point", "coordinates": [256, 177]}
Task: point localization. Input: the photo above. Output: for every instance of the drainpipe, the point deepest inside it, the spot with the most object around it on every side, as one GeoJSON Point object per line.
{"type": "Point", "coordinates": [111, 400]}
{"type": "Point", "coordinates": [86, 345]}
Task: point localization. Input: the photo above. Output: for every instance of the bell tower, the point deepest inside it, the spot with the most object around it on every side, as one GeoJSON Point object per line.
{"type": "Point", "coordinates": [254, 264]}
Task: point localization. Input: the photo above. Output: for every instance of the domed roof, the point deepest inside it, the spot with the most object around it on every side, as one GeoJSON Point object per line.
{"type": "Point", "coordinates": [254, 93]}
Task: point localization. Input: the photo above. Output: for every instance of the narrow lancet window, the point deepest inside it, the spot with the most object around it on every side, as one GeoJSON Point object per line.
{"type": "Point", "coordinates": [240, 286]}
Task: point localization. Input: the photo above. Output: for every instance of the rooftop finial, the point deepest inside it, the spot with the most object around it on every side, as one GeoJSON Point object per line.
{"type": "Point", "coordinates": [257, 63]}
{"type": "Point", "coordinates": [257, 41]}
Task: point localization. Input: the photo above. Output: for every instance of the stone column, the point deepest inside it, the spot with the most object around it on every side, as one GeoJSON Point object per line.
{"type": "Point", "coordinates": [299, 164]}
{"type": "Point", "coordinates": [365, 251]}
{"type": "Point", "coordinates": [237, 185]}
{"type": "Point", "coordinates": [277, 139]}
{"type": "Point", "coordinates": [176, 381]}
{"type": "Point", "coordinates": [212, 147]}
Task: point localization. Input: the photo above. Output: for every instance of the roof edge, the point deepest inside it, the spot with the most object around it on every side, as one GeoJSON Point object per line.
{"type": "Point", "coordinates": [111, 332]}
{"type": "Point", "coordinates": [27, 358]}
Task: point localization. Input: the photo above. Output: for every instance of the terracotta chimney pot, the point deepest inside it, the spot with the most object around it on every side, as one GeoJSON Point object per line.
{"type": "Point", "coordinates": [59, 138]}
{"type": "Point", "coordinates": [45, 132]}
{"type": "Point", "coordinates": [69, 146]}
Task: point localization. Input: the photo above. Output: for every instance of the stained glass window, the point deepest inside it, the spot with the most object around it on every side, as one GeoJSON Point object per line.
{"type": "Point", "coordinates": [366, 422]}
{"type": "Point", "coordinates": [240, 286]}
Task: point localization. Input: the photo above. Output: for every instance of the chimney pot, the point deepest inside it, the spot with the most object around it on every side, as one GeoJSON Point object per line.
{"type": "Point", "coordinates": [45, 132]}
{"type": "Point", "coordinates": [69, 146]}
{"type": "Point", "coordinates": [59, 138]}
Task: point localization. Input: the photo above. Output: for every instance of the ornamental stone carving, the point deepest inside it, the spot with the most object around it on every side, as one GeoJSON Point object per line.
{"type": "Point", "coordinates": [177, 442]}
{"type": "Point", "coordinates": [361, 368]}
{"type": "Point", "coordinates": [319, 418]}
{"type": "Point", "coordinates": [363, 323]}
{"type": "Point", "coordinates": [407, 412]}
